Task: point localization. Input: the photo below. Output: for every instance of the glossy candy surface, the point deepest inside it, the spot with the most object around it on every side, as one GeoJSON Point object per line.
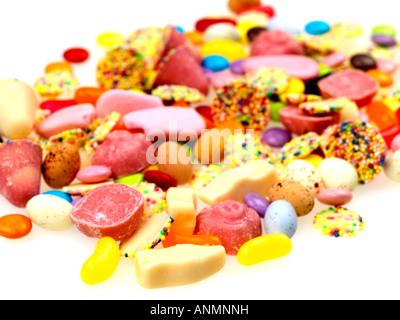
{"type": "Point", "coordinates": [198, 240]}
{"type": "Point", "coordinates": [264, 248]}
{"type": "Point", "coordinates": [15, 226]}
{"type": "Point", "coordinates": [102, 264]}
{"type": "Point", "coordinates": [76, 55]}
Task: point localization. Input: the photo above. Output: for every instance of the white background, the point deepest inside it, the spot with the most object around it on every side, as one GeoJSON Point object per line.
{"type": "Point", "coordinates": [46, 265]}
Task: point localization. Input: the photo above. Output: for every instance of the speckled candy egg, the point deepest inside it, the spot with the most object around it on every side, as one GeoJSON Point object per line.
{"type": "Point", "coordinates": [338, 173]}
{"type": "Point", "coordinates": [305, 173]}
{"type": "Point", "coordinates": [61, 166]}
{"type": "Point", "coordinates": [221, 31]}
{"type": "Point", "coordinates": [281, 218]}
{"type": "Point", "coordinates": [295, 193]}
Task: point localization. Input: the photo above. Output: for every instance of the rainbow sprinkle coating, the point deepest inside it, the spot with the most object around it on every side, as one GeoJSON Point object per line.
{"type": "Point", "coordinates": [273, 80]}
{"type": "Point", "coordinates": [242, 148]}
{"type": "Point", "coordinates": [297, 98]}
{"type": "Point", "coordinates": [298, 147]}
{"type": "Point", "coordinates": [360, 144]}
{"type": "Point", "coordinates": [176, 93]}
{"type": "Point", "coordinates": [123, 67]}
{"type": "Point", "coordinates": [338, 222]}
{"type": "Point", "coordinates": [324, 107]}
{"type": "Point", "coordinates": [203, 175]}
{"type": "Point", "coordinates": [54, 83]}
{"type": "Point", "coordinates": [154, 198]}
{"type": "Point", "coordinates": [244, 102]}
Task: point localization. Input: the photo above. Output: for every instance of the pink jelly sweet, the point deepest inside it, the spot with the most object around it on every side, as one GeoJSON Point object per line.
{"type": "Point", "coordinates": [335, 197]}
{"type": "Point", "coordinates": [233, 222]}
{"type": "Point", "coordinates": [79, 116]}
{"type": "Point", "coordinates": [297, 66]}
{"type": "Point", "coordinates": [275, 42]}
{"type": "Point", "coordinates": [124, 102]}
{"type": "Point", "coordinates": [180, 67]}
{"type": "Point", "coordinates": [20, 171]}
{"type": "Point", "coordinates": [94, 174]}
{"type": "Point", "coordinates": [124, 153]}
{"type": "Point", "coordinates": [113, 210]}
{"type": "Point", "coordinates": [353, 84]}
{"type": "Point", "coordinates": [173, 122]}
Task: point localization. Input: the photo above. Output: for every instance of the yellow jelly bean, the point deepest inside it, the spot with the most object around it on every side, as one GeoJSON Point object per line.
{"type": "Point", "coordinates": [296, 86]}
{"type": "Point", "coordinates": [264, 248]}
{"type": "Point", "coordinates": [109, 39]}
{"type": "Point", "coordinates": [392, 103]}
{"type": "Point", "coordinates": [314, 159]}
{"type": "Point", "coordinates": [229, 49]}
{"type": "Point", "coordinates": [102, 264]}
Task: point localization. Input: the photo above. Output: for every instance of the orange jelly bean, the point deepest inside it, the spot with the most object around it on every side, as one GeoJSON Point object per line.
{"type": "Point", "coordinates": [15, 226]}
{"type": "Point", "coordinates": [88, 95]}
{"type": "Point", "coordinates": [381, 115]}
{"type": "Point", "coordinates": [384, 79]}
{"type": "Point", "coordinates": [199, 240]}
{"type": "Point", "coordinates": [195, 37]}
{"type": "Point", "coordinates": [58, 66]}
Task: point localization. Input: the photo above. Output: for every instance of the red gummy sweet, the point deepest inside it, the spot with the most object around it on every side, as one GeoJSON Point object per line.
{"type": "Point", "coordinates": [76, 55]}
{"type": "Point", "coordinates": [272, 42]}
{"type": "Point", "coordinates": [20, 171]}
{"type": "Point", "coordinates": [181, 68]}
{"type": "Point", "coordinates": [124, 153]}
{"type": "Point", "coordinates": [160, 179]}
{"type": "Point", "coordinates": [113, 210]}
{"type": "Point", "coordinates": [233, 222]}
{"type": "Point", "coordinates": [355, 85]}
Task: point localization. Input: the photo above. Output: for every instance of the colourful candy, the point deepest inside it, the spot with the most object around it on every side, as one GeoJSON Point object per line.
{"type": "Point", "coordinates": [102, 264]}
{"type": "Point", "coordinates": [197, 239]}
{"type": "Point", "coordinates": [15, 226]}
{"type": "Point", "coordinates": [264, 248]}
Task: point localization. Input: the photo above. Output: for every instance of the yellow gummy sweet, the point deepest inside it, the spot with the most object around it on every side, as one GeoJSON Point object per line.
{"type": "Point", "coordinates": [102, 264]}
{"type": "Point", "coordinates": [229, 49]}
{"type": "Point", "coordinates": [110, 39]}
{"type": "Point", "coordinates": [296, 86]}
{"type": "Point", "coordinates": [264, 248]}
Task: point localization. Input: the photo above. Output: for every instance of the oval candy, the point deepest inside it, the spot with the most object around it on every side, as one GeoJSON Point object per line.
{"type": "Point", "coordinates": [15, 226]}
{"type": "Point", "coordinates": [264, 248]}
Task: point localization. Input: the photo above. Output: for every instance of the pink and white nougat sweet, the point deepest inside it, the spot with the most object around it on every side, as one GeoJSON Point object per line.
{"type": "Point", "coordinates": [20, 171]}
{"type": "Point", "coordinates": [79, 116]}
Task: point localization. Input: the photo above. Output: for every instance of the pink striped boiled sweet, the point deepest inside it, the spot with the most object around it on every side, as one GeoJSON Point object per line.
{"type": "Point", "coordinates": [124, 153]}
{"type": "Point", "coordinates": [113, 210]}
{"type": "Point", "coordinates": [233, 222]}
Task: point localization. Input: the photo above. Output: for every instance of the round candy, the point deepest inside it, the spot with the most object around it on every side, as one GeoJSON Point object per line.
{"type": "Point", "coordinates": [273, 80]}
{"type": "Point", "coordinates": [324, 107]}
{"type": "Point", "coordinates": [276, 137]}
{"type": "Point", "coordinates": [94, 174]}
{"type": "Point", "coordinates": [177, 93]}
{"type": "Point", "coordinates": [110, 39]}
{"type": "Point", "coordinates": [384, 40]}
{"type": "Point", "coordinates": [58, 66]}
{"type": "Point", "coordinates": [236, 67]}
{"type": "Point", "coordinates": [253, 33]}
{"type": "Point", "coordinates": [229, 49]}
{"type": "Point", "coordinates": [76, 55]}
{"type": "Point", "coordinates": [335, 197]}
{"type": "Point", "coordinates": [281, 218]}
{"type": "Point", "coordinates": [317, 27]}
{"type": "Point", "coordinates": [384, 29]}
{"type": "Point", "coordinates": [215, 63]}
{"type": "Point", "coordinates": [55, 83]}
{"type": "Point", "coordinates": [257, 202]}
{"type": "Point", "coordinates": [338, 222]}
{"type": "Point", "coordinates": [295, 193]}
{"type": "Point", "coordinates": [244, 102]}
{"type": "Point", "coordinates": [233, 222]}
{"type": "Point", "coordinates": [221, 31]}
{"type": "Point", "coordinates": [395, 145]}
{"type": "Point", "coordinates": [15, 226]}
{"type": "Point", "coordinates": [360, 144]}
{"type": "Point", "coordinates": [275, 108]}
{"type": "Point", "coordinates": [363, 62]}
